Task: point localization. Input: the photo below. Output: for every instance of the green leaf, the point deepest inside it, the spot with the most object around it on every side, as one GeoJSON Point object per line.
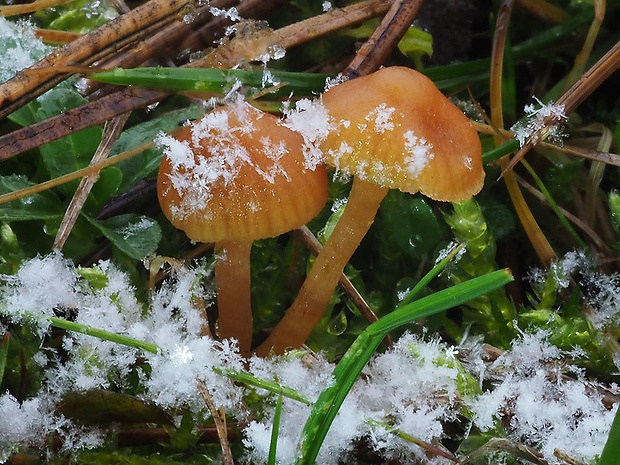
{"type": "Point", "coordinates": [135, 235]}
{"type": "Point", "coordinates": [611, 451]}
{"type": "Point", "coordinates": [4, 353]}
{"type": "Point", "coordinates": [73, 151]}
{"type": "Point", "coordinates": [409, 223]}
{"type": "Point", "coordinates": [42, 206]}
{"type": "Point", "coordinates": [416, 43]}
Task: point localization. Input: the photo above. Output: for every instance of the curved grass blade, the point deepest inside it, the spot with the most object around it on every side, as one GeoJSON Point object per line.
{"type": "Point", "coordinates": [213, 80]}
{"type": "Point", "coordinates": [354, 360]}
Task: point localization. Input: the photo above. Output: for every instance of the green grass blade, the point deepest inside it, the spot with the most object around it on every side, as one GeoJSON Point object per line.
{"type": "Point", "coordinates": [354, 360]}
{"type": "Point", "coordinates": [271, 386]}
{"type": "Point", "coordinates": [428, 277]}
{"type": "Point", "coordinates": [211, 80]}
{"type": "Point", "coordinates": [511, 145]}
{"type": "Point", "coordinates": [611, 451]}
{"type": "Point", "coordinates": [273, 444]}
{"type": "Point", "coordinates": [101, 334]}
{"type": "Point", "coordinates": [4, 353]}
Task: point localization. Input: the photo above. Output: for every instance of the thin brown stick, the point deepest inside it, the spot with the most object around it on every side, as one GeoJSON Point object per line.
{"type": "Point", "coordinates": [377, 48]}
{"type": "Point", "coordinates": [219, 418]}
{"type": "Point", "coordinates": [575, 96]}
{"type": "Point", "coordinates": [109, 106]}
{"type": "Point", "coordinates": [112, 130]}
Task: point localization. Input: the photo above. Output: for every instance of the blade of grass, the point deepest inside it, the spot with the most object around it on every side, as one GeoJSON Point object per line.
{"type": "Point", "coordinates": [441, 264]}
{"type": "Point", "coordinates": [4, 352]}
{"type": "Point", "coordinates": [554, 206]}
{"type": "Point", "coordinates": [102, 334]}
{"type": "Point", "coordinates": [611, 451]}
{"type": "Point", "coordinates": [354, 360]}
{"type": "Point", "coordinates": [211, 80]}
{"type": "Point", "coordinates": [234, 375]}
{"type": "Point", "coordinates": [275, 430]}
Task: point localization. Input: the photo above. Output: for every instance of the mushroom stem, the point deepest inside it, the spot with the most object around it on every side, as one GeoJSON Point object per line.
{"type": "Point", "coordinates": [313, 298]}
{"type": "Point", "coordinates": [232, 276]}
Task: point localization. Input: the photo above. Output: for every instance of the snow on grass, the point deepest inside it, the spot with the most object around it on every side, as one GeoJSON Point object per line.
{"type": "Point", "coordinates": [541, 407]}
{"type": "Point", "coordinates": [416, 387]}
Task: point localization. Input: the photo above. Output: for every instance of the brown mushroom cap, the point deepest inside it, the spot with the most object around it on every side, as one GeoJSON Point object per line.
{"type": "Point", "coordinates": [238, 174]}
{"type": "Point", "coordinates": [395, 128]}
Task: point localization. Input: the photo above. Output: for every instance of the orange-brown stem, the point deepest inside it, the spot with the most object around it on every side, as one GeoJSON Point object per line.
{"type": "Point", "coordinates": [313, 298]}
{"type": "Point", "coordinates": [232, 276]}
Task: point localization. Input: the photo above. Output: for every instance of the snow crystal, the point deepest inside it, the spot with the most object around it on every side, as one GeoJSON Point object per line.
{"type": "Point", "coordinates": [193, 177]}
{"type": "Point", "coordinates": [413, 387]}
{"type": "Point", "coordinates": [311, 119]}
{"type": "Point", "coordinates": [419, 153]}
{"type": "Point", "coordinates": [231, 13]}
{"type": "Point", "coordinates": [22, 424]}
{"type": "Point", "coordinates": [41, 286]}
{"type": "Point", "coordinates": [602, 291]}
{"type": "Point", "coordinates": [326, 6]}
{"type": "Point", "coordinates": [20, 47]}
{"type": "Point", "coordinates": [540, 123]}
{"type": "Point", "coordinates": [382, 118]}
{"type": "Point", "coordinates": [540, 406]}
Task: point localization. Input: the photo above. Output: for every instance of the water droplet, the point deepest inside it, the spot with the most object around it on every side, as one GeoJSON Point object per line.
{"type": "Point", "coordinates": [338, 324]}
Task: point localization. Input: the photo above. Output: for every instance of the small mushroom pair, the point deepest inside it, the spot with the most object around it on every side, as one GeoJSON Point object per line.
{"type": "Point", "coordinates": [393, 129]}
{"type": "Point", "coordinates": [217, 182]}
{"type": "Point", "coordinates": [235, 176]}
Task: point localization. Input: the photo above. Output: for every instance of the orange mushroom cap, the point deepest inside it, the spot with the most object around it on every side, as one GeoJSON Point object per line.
{"type": "Point", "coordinates": [238, 174]}
{"type": "Point", "coordinates": [396, 129]}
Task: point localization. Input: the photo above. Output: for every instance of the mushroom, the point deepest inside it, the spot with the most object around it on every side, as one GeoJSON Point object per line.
{"type": "Point", "coordinates": [235, 176]}
{"type": "Point", "coordinates": [392, 129]}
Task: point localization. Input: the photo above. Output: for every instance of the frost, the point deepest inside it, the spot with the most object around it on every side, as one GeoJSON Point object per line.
{"type": "Point", "coordinates": [231, 13]}
{"type": "Point", "coordinates": [311, 119]}
{"type": "Point", "coordinates": [541, 407]}
{"type": "Point", "coordinates": [194, 177]}
{"type": "Point", "coordinates": [20, 47]}
{"type": "Point", "coordinates": [602, 291]}
{"type": "Point", "coordinates": [420, 152]}
{"type": "Point", "coordinates": [382, 118]}
{"type": "Point", "coordinates": [40, 286]}
{"type": "Point", "coordinates": [413, 387]}
{"type": "Point", "coordinates": [540, 123]}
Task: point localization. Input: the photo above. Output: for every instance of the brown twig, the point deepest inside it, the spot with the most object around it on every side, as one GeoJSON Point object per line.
{"type": "Point", "coordinates": [377, 48]}
{"type": "Point", "coordinates": [111, 132]}
{"type": "Point", "coordinates": [220, 423]}
{"type": "Point", "coordinates": [84, 50]}
{"type": "Point", "coordinates": [110, 106]}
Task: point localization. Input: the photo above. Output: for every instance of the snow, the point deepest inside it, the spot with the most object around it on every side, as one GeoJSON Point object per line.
{"type": "Point", "coordinates": [311, 119]}
{"type": "Point", "coordinates": [540, 123]}
{"type": "Point", "coordinates": [541, 407]}
{"type": "Point", "coordinates": [533, 397]}
{"type": "Point", "coordinates": [420, 152]}
{"type": "Point", "coordinates": [194, 177]}
{"type": "Point", "coordinates": [20, 47]}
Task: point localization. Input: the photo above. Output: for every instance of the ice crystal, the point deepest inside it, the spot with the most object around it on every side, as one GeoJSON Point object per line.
{"type": "Point", "coordinates": [20, 47]}
{"type": "Point", "coordinates": [540, 123]}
